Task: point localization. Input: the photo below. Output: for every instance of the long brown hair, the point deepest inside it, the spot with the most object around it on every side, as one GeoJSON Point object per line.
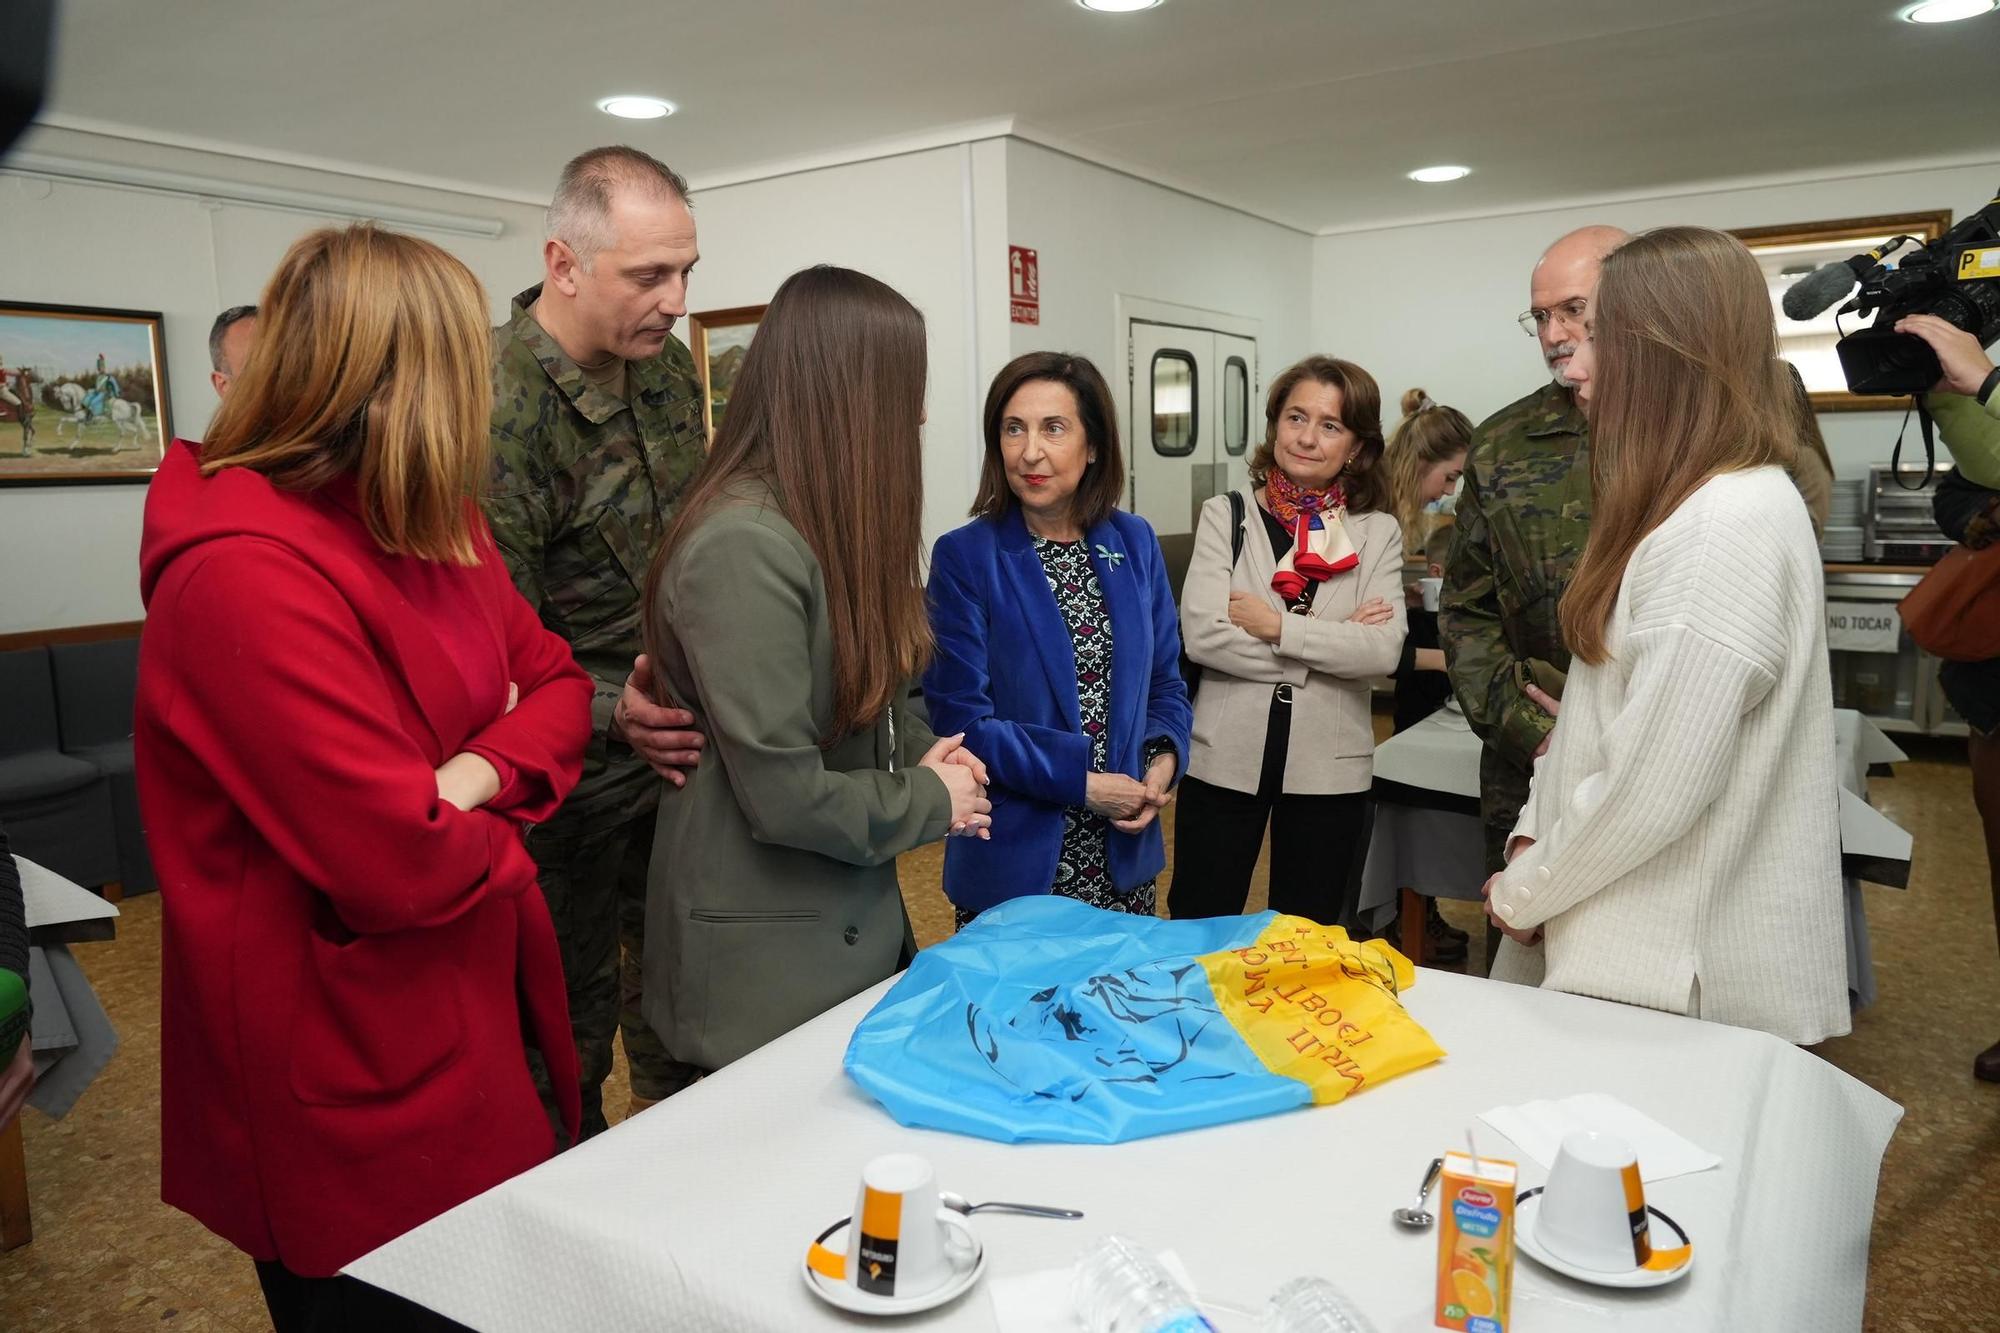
{"type": "Point", "coordinates": [371, 357]}
{"type": "Point", "coordinates": [1688, 386]}
{"type": "Point", "coordinates": [1360, 412]}
{"type": "Point", "coordinates": [826, 412]}
{"type": "Point", "coordinates": [1103, 482]}
{"type": "Point", "coordinates": [1428, 434]}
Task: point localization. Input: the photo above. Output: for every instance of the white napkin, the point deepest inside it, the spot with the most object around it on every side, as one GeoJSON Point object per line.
{"type": "Point", "coordinates": [1039, 1302]}
{"type": "Point", "coordinates": [1538, 1128]}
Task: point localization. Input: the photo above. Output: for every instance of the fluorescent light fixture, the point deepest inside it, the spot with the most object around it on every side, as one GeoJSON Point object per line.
{"type": "Point", "coordinates": [1438, 175]}
{"type": "Point", "coordinates": [1118, 6]}
{"type": "Point", "coordinates": [636, 108]}
{"type": "Point", "coordinates": [1948, 11]}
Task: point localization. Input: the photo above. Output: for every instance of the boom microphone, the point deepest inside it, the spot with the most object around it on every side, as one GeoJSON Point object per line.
{"type": "Point", "coordinates": [1819, 289]}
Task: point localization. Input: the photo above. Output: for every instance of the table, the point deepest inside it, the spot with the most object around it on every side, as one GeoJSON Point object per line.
{"type": "Point", "coordinates": [1427, 836]}
{"type": "Point", "coordinates": [696, 1214]}
{"type": "Point", "coordinates": [71, 1037]}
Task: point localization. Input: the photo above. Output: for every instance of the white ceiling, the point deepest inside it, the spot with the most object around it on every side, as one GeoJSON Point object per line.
{"type": "Point", "coordinates": [1304, 111]}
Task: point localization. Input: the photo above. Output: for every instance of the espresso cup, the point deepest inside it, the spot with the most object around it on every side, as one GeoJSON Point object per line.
{"type": "Point", "coordinates": [1432, 590]}
{"type": "Point", "coordinates": [1593, 1211]}
{"type": "Point", "coordinates": [900, 1243]}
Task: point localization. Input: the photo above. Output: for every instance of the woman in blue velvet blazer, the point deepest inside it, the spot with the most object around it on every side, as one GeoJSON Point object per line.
{"type": "Point", "coordinates": [1058, 653]}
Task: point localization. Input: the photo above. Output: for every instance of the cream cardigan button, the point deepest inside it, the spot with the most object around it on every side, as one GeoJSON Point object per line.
{"type": "Point", "coordinates": [1543, 876]}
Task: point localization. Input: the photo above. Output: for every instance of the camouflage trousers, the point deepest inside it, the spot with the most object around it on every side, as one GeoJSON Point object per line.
{"type": "Point", "coordinates": [595, 884]}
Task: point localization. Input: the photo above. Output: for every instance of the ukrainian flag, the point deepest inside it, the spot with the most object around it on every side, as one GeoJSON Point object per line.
{"type": "Point", "coordinates": [1051, 1020]}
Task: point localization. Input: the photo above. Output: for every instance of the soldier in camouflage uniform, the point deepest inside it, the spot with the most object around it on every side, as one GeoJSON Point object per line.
{"type": "Point", "coordinates": [597, 429]}
{"type": "Point", "coordinates": [1523, 517]}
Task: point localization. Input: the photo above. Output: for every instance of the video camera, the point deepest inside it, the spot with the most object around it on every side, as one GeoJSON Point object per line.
{"type": "Point", "coordinates": [1956, 278]}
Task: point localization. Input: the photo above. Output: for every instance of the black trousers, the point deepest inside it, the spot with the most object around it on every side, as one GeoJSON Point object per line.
{"type": "Point", "coordinates": [1317, 842]}
{"type": "Point", "coordinates": [341, 1305]}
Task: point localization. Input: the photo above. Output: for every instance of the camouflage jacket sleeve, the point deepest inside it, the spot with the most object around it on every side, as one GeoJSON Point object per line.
{"type": "Point", "coordinates": [519, 510]}
{"type": "Point", "coordinates": [1485, 674]}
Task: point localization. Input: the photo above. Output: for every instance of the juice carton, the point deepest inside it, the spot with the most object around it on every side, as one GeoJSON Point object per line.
{"type": "Point", "coordinates": [1475, 1274]}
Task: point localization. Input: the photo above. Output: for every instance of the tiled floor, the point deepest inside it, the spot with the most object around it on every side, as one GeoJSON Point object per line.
{"type": "Point", "coordinates": [109, 1256]}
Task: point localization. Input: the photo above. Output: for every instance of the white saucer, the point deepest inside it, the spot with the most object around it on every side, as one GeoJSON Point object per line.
{"type": "Point", "coordinates": [856, 1301]}
{"type": "Point", "coordinates": [1528, 1205]}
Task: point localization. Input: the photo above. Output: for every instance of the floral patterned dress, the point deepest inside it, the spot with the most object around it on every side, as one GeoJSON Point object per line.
{"type": "Point", "coordinates": [1083, 869]}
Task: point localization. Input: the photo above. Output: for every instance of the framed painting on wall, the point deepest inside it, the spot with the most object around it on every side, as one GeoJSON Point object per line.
{"type": "Point", "coordinates": [1789, 253]}
{"type": "Point", "coordinates": [719, 338]}
{"type": "Point", "coordinates": [83, 394]}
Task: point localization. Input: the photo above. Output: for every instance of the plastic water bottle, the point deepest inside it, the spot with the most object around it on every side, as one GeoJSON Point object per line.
{"type": "Point", "coordinates": [1122, 1287]}
{"type": "Point", "coordinates": [1314, 1305]}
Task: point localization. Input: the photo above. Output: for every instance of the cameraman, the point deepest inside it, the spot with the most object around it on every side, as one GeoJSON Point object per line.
{"type": "Point", "coordinates": [1968, 510]}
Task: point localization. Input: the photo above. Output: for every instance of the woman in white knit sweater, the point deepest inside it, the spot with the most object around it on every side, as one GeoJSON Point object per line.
{"type": "Point", "coordinates": [1680, 848]}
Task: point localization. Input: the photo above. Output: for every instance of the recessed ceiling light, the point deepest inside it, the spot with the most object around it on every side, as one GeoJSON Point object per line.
{"type": "Point", "coordinates": [1948, 11]}
{"type": "Point", "coordinates": [1118, 6]}
{"type": "Point", "coordinates": [636, 108]}
{"type": "Point", "coordinates": [1438, 175]}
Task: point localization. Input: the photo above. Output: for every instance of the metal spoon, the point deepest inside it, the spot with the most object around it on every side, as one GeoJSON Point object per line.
{"type": "Point", "coordinates": [958, 1203]}
{"type": "Point", "coordinates": [1419, 1218]}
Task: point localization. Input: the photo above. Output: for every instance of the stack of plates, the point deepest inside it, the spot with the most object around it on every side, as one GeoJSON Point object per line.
{"type": "Point", "coordinates": [1840, 546]}
{"type": "Point", "coordinates": [1845, 510]}
{"type": "Point", "coordinates": [1842, 542]}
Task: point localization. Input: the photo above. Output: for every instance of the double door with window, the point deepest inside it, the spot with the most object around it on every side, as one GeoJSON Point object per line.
{"type": "Point", "coordinates": [1193, 419]}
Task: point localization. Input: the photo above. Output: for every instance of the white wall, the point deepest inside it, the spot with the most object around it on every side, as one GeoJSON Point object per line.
{"type": "Point", "coordinates": [1101, 234]}
{"type": "Point", "coordinates": [1434, 305]}
{"type": "Point", "coordinates": [72, 552]}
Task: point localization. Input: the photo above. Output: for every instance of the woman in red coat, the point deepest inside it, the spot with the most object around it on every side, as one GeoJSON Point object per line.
{"type": "Point", "coordinates": [346, 718]}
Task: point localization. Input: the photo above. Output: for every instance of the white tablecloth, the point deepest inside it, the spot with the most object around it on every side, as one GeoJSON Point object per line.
{"type": "Point", "coordinates": [696, 1214]}
{"type": "Point", "coordinates": [1441, 853]}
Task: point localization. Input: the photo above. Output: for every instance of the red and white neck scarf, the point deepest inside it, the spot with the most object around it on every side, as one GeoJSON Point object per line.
{"type": "Point", "coordinates": [1320, 547]}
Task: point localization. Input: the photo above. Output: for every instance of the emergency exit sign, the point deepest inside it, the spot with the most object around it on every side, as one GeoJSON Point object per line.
{"type": "Point", "coordinates": [1024, 276]}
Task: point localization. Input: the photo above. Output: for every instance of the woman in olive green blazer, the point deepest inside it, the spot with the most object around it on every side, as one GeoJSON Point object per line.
{"type": "Point", "coordinates": [786, 612]}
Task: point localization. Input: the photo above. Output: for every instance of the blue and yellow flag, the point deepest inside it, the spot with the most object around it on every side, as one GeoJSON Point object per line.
{"type": "Point", "coordinates": [1048, 1019]}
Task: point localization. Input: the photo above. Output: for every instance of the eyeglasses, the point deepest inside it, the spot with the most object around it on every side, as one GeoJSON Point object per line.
{"type": "Point", "coordinates": [1570, 312]}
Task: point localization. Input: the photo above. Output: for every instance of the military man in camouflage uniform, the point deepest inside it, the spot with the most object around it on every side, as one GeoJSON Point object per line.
{"type": "Point", "coordinates": [597, 429]}
{"type": "Point", "coordinates": [1523, 516]}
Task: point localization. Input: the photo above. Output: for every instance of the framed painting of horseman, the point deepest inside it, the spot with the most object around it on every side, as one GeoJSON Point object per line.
{"type": "Point", "coordinates": [83, 394]}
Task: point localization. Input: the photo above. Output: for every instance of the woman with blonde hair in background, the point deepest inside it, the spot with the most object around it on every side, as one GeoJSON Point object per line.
{"type": "Point", "coordinates": [346, 718]}
{"type": "Point", "coordinates": [1680, 848]}
{"type": "Point", "coordinates": [1424, 460]}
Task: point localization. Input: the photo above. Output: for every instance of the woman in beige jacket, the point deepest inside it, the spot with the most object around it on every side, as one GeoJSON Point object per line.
{"type": "Point", "coordinates": [1293, 605]}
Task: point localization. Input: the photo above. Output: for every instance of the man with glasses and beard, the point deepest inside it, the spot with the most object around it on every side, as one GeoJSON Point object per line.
{"type": "Point", "coordinates": [1523, 516]}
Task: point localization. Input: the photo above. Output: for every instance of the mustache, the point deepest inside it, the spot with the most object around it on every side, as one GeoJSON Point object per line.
{"type": "Point", "coordinates": [1559, 351]}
